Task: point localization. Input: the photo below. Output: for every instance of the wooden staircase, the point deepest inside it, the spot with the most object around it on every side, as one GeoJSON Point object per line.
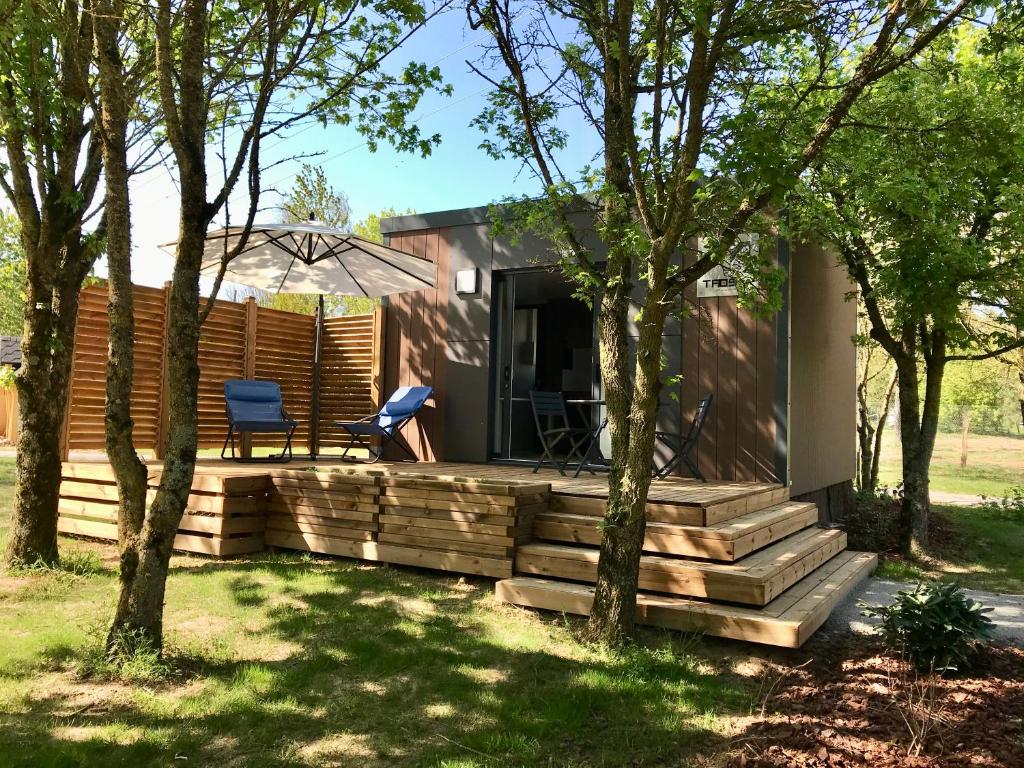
{"type": "Point", "coordinates": [749, 564]}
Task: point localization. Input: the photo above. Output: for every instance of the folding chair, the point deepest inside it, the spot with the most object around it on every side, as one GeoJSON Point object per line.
{"type": "Point", "coordinates": [398, 411]}
{"type": "Point", "coordinates": [682, 445]}
{"type": "Point", "coordinates": [550, 406]}
{"type": "Point", "coordinates": [256, 407]}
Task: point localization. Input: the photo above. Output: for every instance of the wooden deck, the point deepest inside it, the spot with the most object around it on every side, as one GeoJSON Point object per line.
{"type": "Point", "coordinates": [731, 559]}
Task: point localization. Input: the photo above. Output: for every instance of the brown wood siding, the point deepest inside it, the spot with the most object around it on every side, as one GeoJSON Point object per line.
{"type": "Point", "coordinates": [730, 354]}
{"type": "Point", "coordinates": [415, 348]}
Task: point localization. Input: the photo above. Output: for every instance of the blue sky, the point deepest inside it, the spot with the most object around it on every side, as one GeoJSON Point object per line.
{"type": "Point", "coordinates": [457, 174]}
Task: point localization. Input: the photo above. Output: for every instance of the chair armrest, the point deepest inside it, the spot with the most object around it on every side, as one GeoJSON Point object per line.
{"type": "Point", "coordinates": [364, 420]}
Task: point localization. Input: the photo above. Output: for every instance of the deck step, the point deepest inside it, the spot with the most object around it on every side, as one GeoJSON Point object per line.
{"type": "Point", "coordinates": [787, 621]}
{"type": "Point", "coordinates": [755, 580]}
{"type": "Point", "coordinates": [680, 503]}
{"type": "Point", "coordinates": [727, 541]}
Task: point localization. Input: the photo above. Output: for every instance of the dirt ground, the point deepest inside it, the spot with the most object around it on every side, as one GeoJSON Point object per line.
{"type": "Point", "coordinates": [869, 710]}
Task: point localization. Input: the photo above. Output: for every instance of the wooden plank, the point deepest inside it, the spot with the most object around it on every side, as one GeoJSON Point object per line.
{"type": "Point", "coordinates": [322, 502]}
{"type": "Point", "coordinates": [309, 542]}
{"type": "Point", "coordinates": [444, 514]}
{"type": "Point", "coordinates": [755, 580]}
{"type": "Point", "coordinates": [358, 512]}
{"type": "Point", "coordinates": [410, 502]}
{"type": "Point", "coordinates": [183, 542]}
{"type": "Point", "coordinates": [789, 629]}
{"type": "Point", "coordinates": [448, 525]}
{"type": "Point", "coordinates": [723, 542]}
{"type": "Point", "coordinates": [501, 540]}
{"type": "Point", "coordinates": [462, 547]}
{"type": "Point", "coordinates": [445, 561]}
{"type": "Point", "coordinates": [327, 531]}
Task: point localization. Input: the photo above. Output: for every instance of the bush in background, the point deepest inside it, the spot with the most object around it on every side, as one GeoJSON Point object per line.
{"type": "Point", "coordinates": [1011, 506]}
{"type": "Point", "coordinates": [873, 524]}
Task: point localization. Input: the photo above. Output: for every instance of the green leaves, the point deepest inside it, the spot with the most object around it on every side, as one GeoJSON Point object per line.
{"type": "Point", "coordinates": [937, 628]}
{"type": "Point", "coordinates": [925, 185]}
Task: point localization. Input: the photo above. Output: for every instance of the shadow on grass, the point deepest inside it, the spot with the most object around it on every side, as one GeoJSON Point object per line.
{"type": "Point", "coordinates": [389, 667]}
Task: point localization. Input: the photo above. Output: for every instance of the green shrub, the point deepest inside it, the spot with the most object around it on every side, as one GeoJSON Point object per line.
{"type": "Point", "coordinates": [1011, 506]}
{"type": "Point", "coordinates": [7, 377]}
{"type": "Point", "coordinates": [873, 523]}
{"type": "Point", "coordinates": [936, 627]}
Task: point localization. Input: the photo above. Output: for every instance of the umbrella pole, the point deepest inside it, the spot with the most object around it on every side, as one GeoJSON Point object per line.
{"type": "Point", "coordinates": [314, 428]}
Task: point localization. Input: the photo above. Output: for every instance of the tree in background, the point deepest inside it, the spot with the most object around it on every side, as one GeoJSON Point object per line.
{"type": "Point", "coordinates": [876, 387]}
{"type": "Point", "coordinates": [312, 197]}
{"type": "Point", "coordinates": [49, 173]}
{"type": "Point", "coordinates": [706, 118]}
{"type": "Point", "coordinates": [921, 193]}
{"type": "Point", "coordinates": [1015, 360]}
{"type": "Point", "coordinates": [240, 72]}
{"type": "Point", "coordinates": [370, 226]}
{"type": "Point", "coordinates": [973, 394]}
{"type": "Point", "coordinates": [12, 276]}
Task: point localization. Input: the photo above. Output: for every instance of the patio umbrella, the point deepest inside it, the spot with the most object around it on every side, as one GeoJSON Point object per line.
{"type": "Point", "coordinates": [309, 257]}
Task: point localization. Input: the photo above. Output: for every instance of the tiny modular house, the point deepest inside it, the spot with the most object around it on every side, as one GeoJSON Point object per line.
{"type": "Point", "coordinates": [503, 321]}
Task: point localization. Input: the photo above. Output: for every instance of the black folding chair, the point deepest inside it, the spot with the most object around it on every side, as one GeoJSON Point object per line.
{"type": "Point", "coordinates": [682, 445]}
{"type": "Point", "coordinates": [556, 429]}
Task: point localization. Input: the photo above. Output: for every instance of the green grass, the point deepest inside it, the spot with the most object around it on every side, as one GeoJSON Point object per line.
{"type": "Point", "coordinates": [994, 464]}
{"type": "Point", "coordinates": [982, 551]}
{"type": "Point", "coordinates": [286, 661]}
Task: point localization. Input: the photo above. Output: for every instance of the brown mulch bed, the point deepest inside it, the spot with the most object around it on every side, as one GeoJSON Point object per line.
{"type": "Point", "coordinates": [850, 706]}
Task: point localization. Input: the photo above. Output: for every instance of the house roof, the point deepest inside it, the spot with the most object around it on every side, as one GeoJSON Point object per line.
{"type": "Point", "coordinates": [10, 351]}
{"type": "Point", "coordinates": [453, 218]}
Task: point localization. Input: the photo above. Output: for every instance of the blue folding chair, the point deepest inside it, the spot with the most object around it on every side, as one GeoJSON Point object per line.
{"type": "Point", "coordinates": [398, 411]}
{"type": "Point", "coordinates": [257, 407]}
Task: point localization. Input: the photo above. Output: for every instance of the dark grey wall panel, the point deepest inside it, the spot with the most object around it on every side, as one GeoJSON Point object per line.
{"type": "Point", "coordinates": [469, 315]}
{"type": "Point", "coordinates": [466, 396]}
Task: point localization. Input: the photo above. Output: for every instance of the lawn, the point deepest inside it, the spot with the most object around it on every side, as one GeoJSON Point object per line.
{"type": "Point", "coordinates": [282, 660]}
{"type": "Point", "coordinates": [980, 549]}
{"type": "Point", "coordinates": [994, 464]}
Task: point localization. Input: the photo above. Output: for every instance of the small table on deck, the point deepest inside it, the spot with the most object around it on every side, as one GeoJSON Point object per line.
{"type": "Point", "coordinates": [595, 440]}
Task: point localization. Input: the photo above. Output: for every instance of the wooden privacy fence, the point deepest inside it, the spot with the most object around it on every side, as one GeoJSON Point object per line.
{"type": "Point", "coordinates": [9, 414]}
{"type": "Point", "coordinates": [332, 372]}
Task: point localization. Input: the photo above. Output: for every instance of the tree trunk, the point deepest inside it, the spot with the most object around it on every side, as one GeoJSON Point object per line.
{"type": "Point", "coordinates": [129, 470]}
{"type": "Point", "coordinates": [142, 594]}
{"type": "Point", "coordinates": [918, 428]}
{"type": "Point", "coordinates": [883, 417]}
{"type": "Point", "coordinates": [140, 608]}
{"type": "Point", "coordinates": [965, 428]}
{"type": "Point", "coordinates": [914, 505]}
{"type": "Point", "coordinates": [52, 161]}
{"type": "Point", "coordinates": [865, 439]}
{"type": "Point", "coordinates": [51, 311]}
{"type": "Point", "coordinates": [1020, 393]}
{"type": "Point", "coordinates": [42, 399]}
{"type": "Point", "coordinates": [613, 613]}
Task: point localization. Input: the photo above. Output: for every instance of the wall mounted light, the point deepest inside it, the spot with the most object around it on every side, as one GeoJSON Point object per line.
{"type": "Point", "coordinates": [466, 281]}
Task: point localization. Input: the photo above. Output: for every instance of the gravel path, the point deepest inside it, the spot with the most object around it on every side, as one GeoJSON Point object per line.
{"type": "Point", "coordinates": [1007, 610]}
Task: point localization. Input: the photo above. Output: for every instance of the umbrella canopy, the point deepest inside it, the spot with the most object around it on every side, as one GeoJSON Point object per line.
{"type": "Point", "coordinates": [308, 257]}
